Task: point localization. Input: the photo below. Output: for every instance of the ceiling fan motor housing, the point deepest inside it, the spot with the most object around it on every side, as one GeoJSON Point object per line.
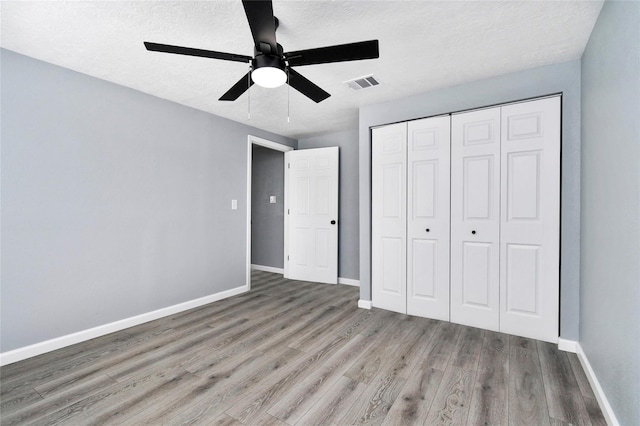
{"type": "Point", "coordinates": [261, 61]}
{"type": "Point", "coordinates": [269, 70]}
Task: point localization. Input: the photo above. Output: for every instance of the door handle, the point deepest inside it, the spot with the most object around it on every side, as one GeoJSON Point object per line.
{"type": "Point", "coordinates": [333, 222]}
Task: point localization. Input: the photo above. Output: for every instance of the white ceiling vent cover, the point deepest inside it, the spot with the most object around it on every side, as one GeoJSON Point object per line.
{"type": "Point", "coordinates": [362, 82]}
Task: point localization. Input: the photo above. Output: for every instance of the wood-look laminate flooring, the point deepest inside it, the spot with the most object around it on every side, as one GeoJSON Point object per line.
{"type": "Point", "coordinates": [298, 353]}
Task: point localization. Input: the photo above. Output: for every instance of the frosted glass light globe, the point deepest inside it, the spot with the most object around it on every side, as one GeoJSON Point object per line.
{"type": "Point", "coordinates": [269, 77]}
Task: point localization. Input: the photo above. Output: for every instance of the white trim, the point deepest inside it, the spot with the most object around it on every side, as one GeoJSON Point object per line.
{"type": "Point", "coordinates": [267, 269]}
{"type": "Point", "coordinates": [364, 304]}
{"type": "Point", "coordinates": [271, 145]}
{"type": "Point", "coordinates": [285, 253]}
{"type": "Point", "coordinates": [349, 281]}
{"type": "Point", "coordinates": [25, 352]}
{"type": "Point", "coordinates": [607, 411]}
{"type": "Point", "coordinates": [567, 345]}
{"type": "Point", "coordinates": [345, 281]}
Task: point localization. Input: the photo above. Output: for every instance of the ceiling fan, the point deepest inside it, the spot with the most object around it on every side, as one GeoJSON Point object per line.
{"type": "Point", "coordinates": [271, 66]}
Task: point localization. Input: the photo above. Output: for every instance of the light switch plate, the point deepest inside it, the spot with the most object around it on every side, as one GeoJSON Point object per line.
{"type": "Point", "coordinates": [234, 204]}
{"type": "Point", "coordinates": [272, 199]}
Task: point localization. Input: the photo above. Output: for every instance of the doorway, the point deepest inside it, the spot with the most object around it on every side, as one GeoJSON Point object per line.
{"type": "Point", "coordinates": [265, 242]}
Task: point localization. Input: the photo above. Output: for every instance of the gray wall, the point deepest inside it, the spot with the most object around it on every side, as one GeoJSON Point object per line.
{"type": "Point", "coordinates": [348, 245]}
{"type": "Point", "coordinates": [114, 202]}
{"type": "Point", "coordinates": [267, 220]}
{"type": "Point", "coordinates": [610, 249]}
{"type": "Point", "coordinates": [540, 81]}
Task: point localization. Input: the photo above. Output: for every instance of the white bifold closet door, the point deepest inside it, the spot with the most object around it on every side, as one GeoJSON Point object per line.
{"type": "Point", "coordinates": [466, 218]}
{"type": "Point", "coordinates": [475, 218]}
{"type": "Point", "coordinates": [530, 219]}
{"type": "Point", "coordinates": [389, 218]}
{"type": "Point", "coordinates": [428, 217]}
{"type": "Point", "coordinates": [505, 216]}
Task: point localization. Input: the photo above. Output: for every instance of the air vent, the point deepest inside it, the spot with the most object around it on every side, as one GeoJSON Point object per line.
{"type": "Point", "coordinates": [362, 82]}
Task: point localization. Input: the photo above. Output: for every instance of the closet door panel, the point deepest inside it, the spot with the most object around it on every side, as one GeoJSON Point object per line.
{"type": "Point", "coordinates": [388, 216]}
{"type": "Point", "coordinates": [476, 274]}
{"type": "Point", "coordinates": [475, 218]}
{"type": "Point", "coordinates": [423, 272]}
{"type": "Point", "coordinates": [530, 185]}
{"type": "Point", "coordinates": [428, 221]}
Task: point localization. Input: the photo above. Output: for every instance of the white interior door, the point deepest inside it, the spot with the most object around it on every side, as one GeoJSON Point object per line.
{"type": "Point", "coordinates": [428, 220]}
{"type": "Point", "coordinates": [311, 243]}
{"type": "Point", "coordinates": [475, 218]}
{"type": "Point", "coordinates": [529, 271]}
{"type": "Point", "coordinates": [389, 218]}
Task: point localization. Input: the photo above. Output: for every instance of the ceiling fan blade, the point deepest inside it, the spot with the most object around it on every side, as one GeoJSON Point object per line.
{"type": "Point", "coordinates": [306, 87]}
{"type": "Point", "coordinates": [263, 24]}
{"type": "Point", "coordinates": [238, 89]}
{"type": "Point", "coordinates": [339, 53]}
{"type": "Point", "coordinates": [189, 51]}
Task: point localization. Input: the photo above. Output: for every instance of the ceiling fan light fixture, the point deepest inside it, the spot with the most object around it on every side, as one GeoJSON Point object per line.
{"type": "Point", "coordinates": [268, 71]}
{"type": "Point", "coordinates": [269, 77]}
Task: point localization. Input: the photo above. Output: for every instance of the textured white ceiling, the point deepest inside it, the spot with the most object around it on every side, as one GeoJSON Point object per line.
{"type": "Point", "coordinates": [424, 45]}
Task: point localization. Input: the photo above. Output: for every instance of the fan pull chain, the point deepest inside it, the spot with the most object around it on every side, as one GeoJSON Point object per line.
{"type": "Point", "coordinates": [288, 97]}
{"type": "Point", "coordinates": [249, 93]}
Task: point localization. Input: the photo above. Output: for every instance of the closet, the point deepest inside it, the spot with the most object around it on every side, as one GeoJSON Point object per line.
{"type": "Point", "coordinates": [466, 218]}
{"type": "Point", "coordinates": [410, 212]}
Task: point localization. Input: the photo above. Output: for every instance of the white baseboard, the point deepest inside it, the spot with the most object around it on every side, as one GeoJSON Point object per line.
{"type": "Point", "coordinates": [25, 352]}
{"type": "Point", "coordinates": [345, 281]}
{"type": "Point", "coordinates": [567, 345]}
{"type": "Point", "coordinates": [267, 269]}
{"type": "Point", "coordinates": [349, 281]}
{"type": "Point", "coordinates": [607, 411]}
{"type": "Point", "coordinates": [364, 304]}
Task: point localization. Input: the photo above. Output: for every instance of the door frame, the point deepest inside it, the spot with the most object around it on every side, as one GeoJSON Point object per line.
{"type": "Point", "coordinates": [254, 140]}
